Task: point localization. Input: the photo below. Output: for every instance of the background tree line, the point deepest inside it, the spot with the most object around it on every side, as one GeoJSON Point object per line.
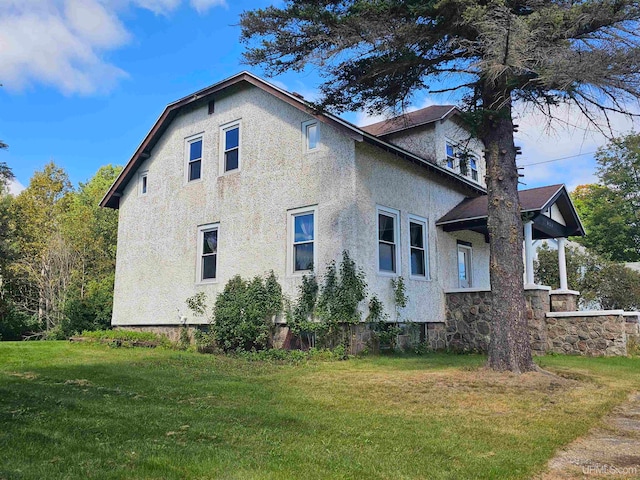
{"type": "Point", "coordinates": [57, 255]}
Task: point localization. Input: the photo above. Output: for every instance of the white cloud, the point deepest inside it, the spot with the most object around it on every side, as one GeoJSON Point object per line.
{"type": "Point", "coordinates": [15, 187]}
{"type": "Point", "coordinates": [203, 5]}
{"type": "Point", "coordinates": [61, 43]}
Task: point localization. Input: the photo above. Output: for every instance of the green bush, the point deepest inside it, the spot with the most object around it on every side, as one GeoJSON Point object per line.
{"type": "Point", "coordinates": [14, 324]}
{"type": "Point", "coordinates": [606, 284]}
{"type": "Point", "coordinates": [126, 337]}
{"type": "Point", "coordinates": [244, 311]}
{"type": "Point", "coordinates": [89, 312]}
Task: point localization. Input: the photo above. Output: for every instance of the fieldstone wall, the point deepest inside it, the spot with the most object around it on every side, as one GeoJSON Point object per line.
{"type": "Point", "coordinates": [564, 302]}
{"type": "Point", "coordinates": [468, 322]}
{"type": "Point", "coordinates": [600, 334]}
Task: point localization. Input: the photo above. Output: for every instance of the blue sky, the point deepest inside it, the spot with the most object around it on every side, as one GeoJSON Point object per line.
{"type": "Point", "coordinates": [84, 80]}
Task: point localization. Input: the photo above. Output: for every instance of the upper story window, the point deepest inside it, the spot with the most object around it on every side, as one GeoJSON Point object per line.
{"type": "Point", "coordinates": [303, 237]}
{"type": "Point", "coordinates": [208, 253]}
{"type": "Point", "coordinates": [418, 247]}
{"type": "Point", "coordinates": [194, 158]}
{"type": "Point", "coordinates": [230, 135]}
{"type": "Point", "coordinates": [451, 156]}
{"type": "Point", "coordinates": [461, 161]}
{"type": "Point", "coordinates": [388, 236]}
{"type": "Point", "coordinates": [473, 165]}
{"type": "Point", "coordinates": [311, 131]}
{"type": "Point", "coordinates": [143, 181]}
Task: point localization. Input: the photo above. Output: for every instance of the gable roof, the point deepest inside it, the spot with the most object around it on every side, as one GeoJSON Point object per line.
{"type": "Point", "coordinates": [111, 199]}
{"type": "Point", "coordinates": [417, 118]}
{"type": "Point", "coordinates": [471, 213]}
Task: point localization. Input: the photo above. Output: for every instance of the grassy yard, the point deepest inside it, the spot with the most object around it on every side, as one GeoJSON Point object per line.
{"type": "Point", "coordinates": [90, 411]}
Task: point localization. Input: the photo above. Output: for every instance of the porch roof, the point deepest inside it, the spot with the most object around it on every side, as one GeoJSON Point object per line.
{"type": "Point", "coordinates": [536, 204]}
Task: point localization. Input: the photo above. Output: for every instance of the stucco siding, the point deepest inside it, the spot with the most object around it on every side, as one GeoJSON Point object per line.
{"type": "Point", "coordinates": [384, 180]}
{"type": "Point", "coordinates": [429, 141]}
{"type": "Point", "coordinates": [157, 246]}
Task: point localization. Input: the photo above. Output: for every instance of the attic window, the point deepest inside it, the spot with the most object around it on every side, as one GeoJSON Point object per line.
{"type": "Point", "coordinates": [451, 156]}
{"type": "Point", "coordinates": [311, 132]}
{"type": "Point", "coordinates": [143, 181]}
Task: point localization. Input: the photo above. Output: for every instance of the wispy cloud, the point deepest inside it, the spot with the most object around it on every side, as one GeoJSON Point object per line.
{"type": "Point", "coordinates": [62, 43]}
{"type": "Point", "coordinates": [569, 135]}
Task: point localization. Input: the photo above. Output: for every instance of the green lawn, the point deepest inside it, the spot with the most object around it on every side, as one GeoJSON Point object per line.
{"type": "Point", "coordinates": [90, 411]}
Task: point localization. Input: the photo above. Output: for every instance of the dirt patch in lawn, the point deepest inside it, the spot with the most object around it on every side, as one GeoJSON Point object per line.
{"type": "Point", "coordinates": [612, 450]}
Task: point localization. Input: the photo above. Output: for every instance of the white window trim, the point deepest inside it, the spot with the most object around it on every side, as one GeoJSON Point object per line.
{"type": "Point", "coordinates": [395, 213]}
{"type": "Point", "coordinates": [291, 215]}
{"type": "Point", "coordinates": [142, 175]}
{"type": "Point", "coordinates": [223, 128]}
{"type": "Point", "coordinates": [455, 166]}
{"type": "Point", "coordinates": [201, 230]}
{"type": "Point", "coordinates": [187, 143]}
{"type": "Point", "coordinates": [469, 248]}
{"type": "Point", "coordinates": [425, 239]}
{"type": "Point", "coordinates": [305, 137]}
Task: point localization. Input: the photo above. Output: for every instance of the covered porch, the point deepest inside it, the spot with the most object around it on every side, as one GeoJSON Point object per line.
{"type": "Point", "coordinates": [547, 213]}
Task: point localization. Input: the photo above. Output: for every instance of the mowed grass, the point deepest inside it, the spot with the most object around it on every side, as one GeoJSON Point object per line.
{"type": "Point", "coordinates": [90, 411]}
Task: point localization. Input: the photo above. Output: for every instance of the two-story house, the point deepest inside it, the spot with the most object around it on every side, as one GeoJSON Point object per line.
{"type": "Point", "coordinates": [243, 177]}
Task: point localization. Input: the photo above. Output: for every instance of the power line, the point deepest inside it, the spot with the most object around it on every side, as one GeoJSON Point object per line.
{"type": "Point", "coordinates": [558, 159]}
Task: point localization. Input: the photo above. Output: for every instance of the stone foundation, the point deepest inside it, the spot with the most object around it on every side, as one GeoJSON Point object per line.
{"type": "Point", "coordinates": [468, 325]}
{"type": "Point", "coordinates": [604, 333]}
{"type": "Point", "coordinates": [587, 333]}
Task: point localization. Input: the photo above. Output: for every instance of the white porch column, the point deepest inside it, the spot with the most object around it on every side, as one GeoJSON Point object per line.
{"type": "Point", "coordinates": [528, 252]}
{"type": "Point", "coordinates": [562, 264]}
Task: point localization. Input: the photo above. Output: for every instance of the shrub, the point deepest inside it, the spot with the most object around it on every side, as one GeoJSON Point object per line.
{"type": "Point", "coordinates": [126, 338]}
{"type": "Point", "coordinates": [601, 283]}
{"type": "Point", "coordinates": [244, 311]}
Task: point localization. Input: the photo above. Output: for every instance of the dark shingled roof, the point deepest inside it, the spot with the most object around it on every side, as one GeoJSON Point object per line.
{"type": "Point", "coordinates": [471, 213]}
{"type": "Point", "coordinates": [530, 200]}
{"type": "Point", "coordinates": [409, 120]}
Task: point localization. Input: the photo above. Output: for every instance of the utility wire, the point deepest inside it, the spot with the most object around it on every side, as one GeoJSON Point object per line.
{"type": "Point", "coordinates": [557, 159]}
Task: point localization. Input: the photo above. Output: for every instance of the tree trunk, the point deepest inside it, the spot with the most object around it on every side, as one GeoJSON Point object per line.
{"type": "Point", "coordinates": [509, 348]}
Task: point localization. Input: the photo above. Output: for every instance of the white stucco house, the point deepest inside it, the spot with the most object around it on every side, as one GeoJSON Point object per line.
{"type": "Point", "coordinates": [243, 177]}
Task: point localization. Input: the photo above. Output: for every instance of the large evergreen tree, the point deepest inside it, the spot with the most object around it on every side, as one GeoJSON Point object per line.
{"type": "Point", "coordinates": [376, 54]}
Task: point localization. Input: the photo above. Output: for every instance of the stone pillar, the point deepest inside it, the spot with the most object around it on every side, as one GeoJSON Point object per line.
{"type": "Point", "coordinates": [528, 253]}
{"type": "Point", "coordinates": [564, 300]}
{"type": "Point", "coordinates": [562, 264]}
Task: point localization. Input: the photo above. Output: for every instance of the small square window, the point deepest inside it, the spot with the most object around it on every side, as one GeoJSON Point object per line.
{"type": "Point", "coordinates": [194, 159]}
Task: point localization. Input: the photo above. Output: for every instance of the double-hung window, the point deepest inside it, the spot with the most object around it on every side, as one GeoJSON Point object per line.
{"type": "Point", "coordinates": [473, 164]}
{"type": "Point", "coordinates": [208, 253]}
{"type": "Point", "coordinates": [230, 147]}
{"type": "Point", "coordinates": [388, 235]}
{"type": "Point", "coordinates": [194, 158]}
{"type": "Point", "coordinates": [418, 247]}
{"type": "Point", "coordinates": [451, 156]}
{"type": "Point", "coordinates": [302, 224]}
